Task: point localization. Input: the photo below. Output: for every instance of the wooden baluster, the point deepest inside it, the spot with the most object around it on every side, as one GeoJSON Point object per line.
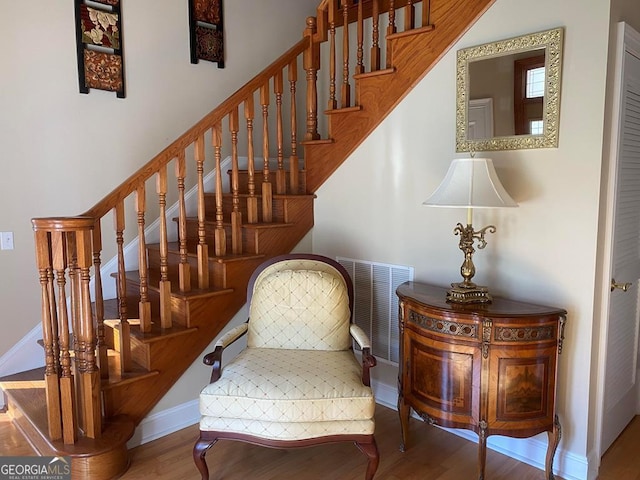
{"type": "Point", "coordinates": [220, 234]}
{"type": "Point", "coordinates": [165, 283]}
{"type": "Point", "coordinates": [311, 65]}
{"type": "Point", "coordinates": [67, 387]}
{"type": "Point", "coordinates": [89, 376]}
{"type": "Point", "coordinates": [74, 294]}
{"type": "Point", "coordinates": [144, 306]}
{"type": "Point", "coordinates": [252, 200]}
{"type": "Point", "coordinates": [125, 328]}
{"type": "Point", "coordinates": [281, 176]}
{"type": "Point", "coordinates": [375, 35]}
{"type": "Point", "coordinates": [346, 88]}
{"type": "Point", "coordinates": [391, 29]}
{"type": "Point", "coordinates": [267, 194]}
{"type": "Point", "coordinates": [102, 349]}
{"type": "Point", "coordinates": [426, 13]}
{"type": "Point", "coordinates": [294, 165]}
{"type": "Point", "coordinates": [54, 320]}
{"type": "Point", "coordinates": [52, 387]}
{"type": "Point", "coordinates": [409, 16]}
{"type": "Point", "coordinates": [333, 104]}
{"type": "Point", "coordinates": [360, 51]}
{"type": "Point", "coordinates": [236, 214]}
{"type": "Point", "coordinates": [203, 249]}
{"type": "Point", "coordinates": [184, 269]}
{"type": "Point", "coordinates": [79, 354]}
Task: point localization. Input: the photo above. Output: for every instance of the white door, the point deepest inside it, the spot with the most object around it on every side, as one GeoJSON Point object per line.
{"type": "Point", "coordinates": [480, 115]}
{"type": "Point", "coordinates": [620, 385]}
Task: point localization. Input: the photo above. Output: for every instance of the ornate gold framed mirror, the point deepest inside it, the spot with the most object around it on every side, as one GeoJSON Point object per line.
{"type": "Point", "coordinates": [508, 93]}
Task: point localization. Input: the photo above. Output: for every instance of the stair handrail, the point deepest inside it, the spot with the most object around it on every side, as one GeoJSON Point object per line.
{"type": "Point", "coordinates": [145, 172]}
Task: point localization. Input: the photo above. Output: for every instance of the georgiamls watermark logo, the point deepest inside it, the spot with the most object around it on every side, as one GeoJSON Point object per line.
{"type": "Point", "coordinates": [35, 468]}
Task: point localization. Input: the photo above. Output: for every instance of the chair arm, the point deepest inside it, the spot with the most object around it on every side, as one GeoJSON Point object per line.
{"type": "Point", "coordinates": [361, 338]}
{"type": "Point", "coordinates": [215, 358]}
{"type": "Point", "coordinates": [364, 343]}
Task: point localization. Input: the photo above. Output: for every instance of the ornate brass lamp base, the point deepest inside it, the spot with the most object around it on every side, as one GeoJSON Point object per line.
{"type": "Point", "coordinates": [468, 292]}
{"type": "Point", "coordinates": [472, 293]}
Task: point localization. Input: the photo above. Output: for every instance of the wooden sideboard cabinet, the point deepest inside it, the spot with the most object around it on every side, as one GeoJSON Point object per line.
{"type": "Point", "coordinates": [490, 368]}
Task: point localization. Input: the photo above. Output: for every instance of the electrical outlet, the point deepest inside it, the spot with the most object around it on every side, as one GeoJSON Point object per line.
{"type": "Point", "coordinates": [6, 240]}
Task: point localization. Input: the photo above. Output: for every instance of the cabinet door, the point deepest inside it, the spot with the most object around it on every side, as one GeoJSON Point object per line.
{"type": "Point", "coordinates": [442, 380]}
{"type": "Point", "coordinates": [521, 391]}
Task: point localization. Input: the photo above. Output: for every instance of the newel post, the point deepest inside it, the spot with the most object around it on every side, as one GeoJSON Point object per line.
{"type": "Point", "coordinates": [311, 66]}
{"type": "Point", "coordinates": [64, 256]}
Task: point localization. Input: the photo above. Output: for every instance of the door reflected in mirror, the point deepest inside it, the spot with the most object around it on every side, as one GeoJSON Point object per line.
{"type": "Point", "coordinates": [509, 93]}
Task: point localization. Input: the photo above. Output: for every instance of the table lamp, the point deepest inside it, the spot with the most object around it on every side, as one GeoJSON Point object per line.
{"type": "Point", "coordinates": [470, 183]}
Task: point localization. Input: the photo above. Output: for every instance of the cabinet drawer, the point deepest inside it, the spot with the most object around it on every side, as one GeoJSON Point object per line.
{"type": "Point", "coordinates": [433, 325]}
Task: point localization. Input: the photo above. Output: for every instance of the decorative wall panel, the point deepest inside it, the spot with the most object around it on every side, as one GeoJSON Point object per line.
{"type": "Point", "coordinates": [99, 46]}
{"type": "Point", "coordinates": [206, 31]}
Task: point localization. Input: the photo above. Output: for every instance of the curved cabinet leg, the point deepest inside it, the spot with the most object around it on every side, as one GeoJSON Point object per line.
{"type": "Point", "coordinates": [403, 411]}
{"type": "Point", "coordinates": [554, 439]}
{"type": "Point", "coordinates": [371, 451]}
{"type": "Point", "coordinates": [199, 451]}
{"type": "Point", "coordinates": [482, 449]}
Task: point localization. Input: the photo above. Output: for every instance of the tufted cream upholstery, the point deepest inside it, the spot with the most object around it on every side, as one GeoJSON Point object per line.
{"type": "Point", "coordinates": [298, 381]}
{"type": "Point", "coordinates": [289, 386]}
{"type": "Point", "coordinates": [300, 309]}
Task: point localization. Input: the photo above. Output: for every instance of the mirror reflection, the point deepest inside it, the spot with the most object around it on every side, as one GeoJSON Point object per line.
{"type": "Point", "coordinates": [508, 93]}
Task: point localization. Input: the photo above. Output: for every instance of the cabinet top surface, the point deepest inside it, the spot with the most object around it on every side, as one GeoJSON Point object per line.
{"type": "Point", "coordinates": [435, 297]}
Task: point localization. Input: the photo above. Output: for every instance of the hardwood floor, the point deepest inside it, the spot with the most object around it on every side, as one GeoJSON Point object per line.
{"type": "Point", "coordinates": [434, 454]}
{"type": "Point", "coordinates": [620, 462]}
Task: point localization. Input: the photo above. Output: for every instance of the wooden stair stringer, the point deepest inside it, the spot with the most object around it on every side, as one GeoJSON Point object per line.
{"type": "Point", "coordinates": [413, 57]}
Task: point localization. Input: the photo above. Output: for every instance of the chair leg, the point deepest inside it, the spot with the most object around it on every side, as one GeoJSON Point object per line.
{"type": "Point", "coordinates": [371, 451]}
{"type": "Point", "coordinates": [199, 451]}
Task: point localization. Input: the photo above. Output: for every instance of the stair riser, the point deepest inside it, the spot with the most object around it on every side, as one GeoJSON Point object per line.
{"type": "Point", "coordinates": [139, 351]}
{"type": "Point", "coordinates": [256, 239]}
{"type": "Point", "coordinates": [217, 270]}
{"type": "Point", "coordinates": [243, 179]}
{"type": "Point", "coordinates": [280, 206]}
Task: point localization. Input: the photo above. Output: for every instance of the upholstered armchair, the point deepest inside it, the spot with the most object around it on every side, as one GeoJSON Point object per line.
{"type": "Point", "coordinates": [298, 382]}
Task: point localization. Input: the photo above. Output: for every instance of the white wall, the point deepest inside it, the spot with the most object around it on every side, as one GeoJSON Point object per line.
{"type": "Point", "coordinates": [61, 152]}
{"type": "Point", "coordinates": [545, 250]}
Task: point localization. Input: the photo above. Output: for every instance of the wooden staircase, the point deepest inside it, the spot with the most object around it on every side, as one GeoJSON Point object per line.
{"type": "Point", "coordinates": [125, 353]}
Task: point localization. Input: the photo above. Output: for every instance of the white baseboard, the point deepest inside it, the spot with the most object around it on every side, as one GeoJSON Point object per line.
{"type": "Point", "coordinates": [25, 355]}
{"type": "Point", "coordinates": [165, 422]}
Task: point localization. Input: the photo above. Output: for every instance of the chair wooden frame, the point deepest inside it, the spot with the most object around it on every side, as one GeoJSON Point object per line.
{"type": "Point", "coordinates": [366, 443]}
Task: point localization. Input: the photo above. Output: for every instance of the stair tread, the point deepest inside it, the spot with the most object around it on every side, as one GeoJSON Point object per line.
{"type": "Point", "coordinates": [274, 194]}
{"type": "Point", "coordinates": [34, 377]}
{"type": "Point", "coordinates": [174, 247]}
{"type": "Point", "coordinates": [256, 226]}
{"type": "Point", "coordinates": [117, 378]}
{"type": "Point", "coordinates": [29, 400]}
{"type": "Point", "coordinates": [156, 332]}
{"type": "Point", "coordinates": [153, 279]}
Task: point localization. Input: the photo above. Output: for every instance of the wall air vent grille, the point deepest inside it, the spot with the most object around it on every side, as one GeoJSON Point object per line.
{"type": "Point", "coordinates": [376, 303]}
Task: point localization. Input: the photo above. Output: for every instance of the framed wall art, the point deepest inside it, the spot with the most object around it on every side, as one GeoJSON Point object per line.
{"type": "Point", "coordinates": [206, 31]}
{"type": "Point", "coordinates": [99, 46]}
